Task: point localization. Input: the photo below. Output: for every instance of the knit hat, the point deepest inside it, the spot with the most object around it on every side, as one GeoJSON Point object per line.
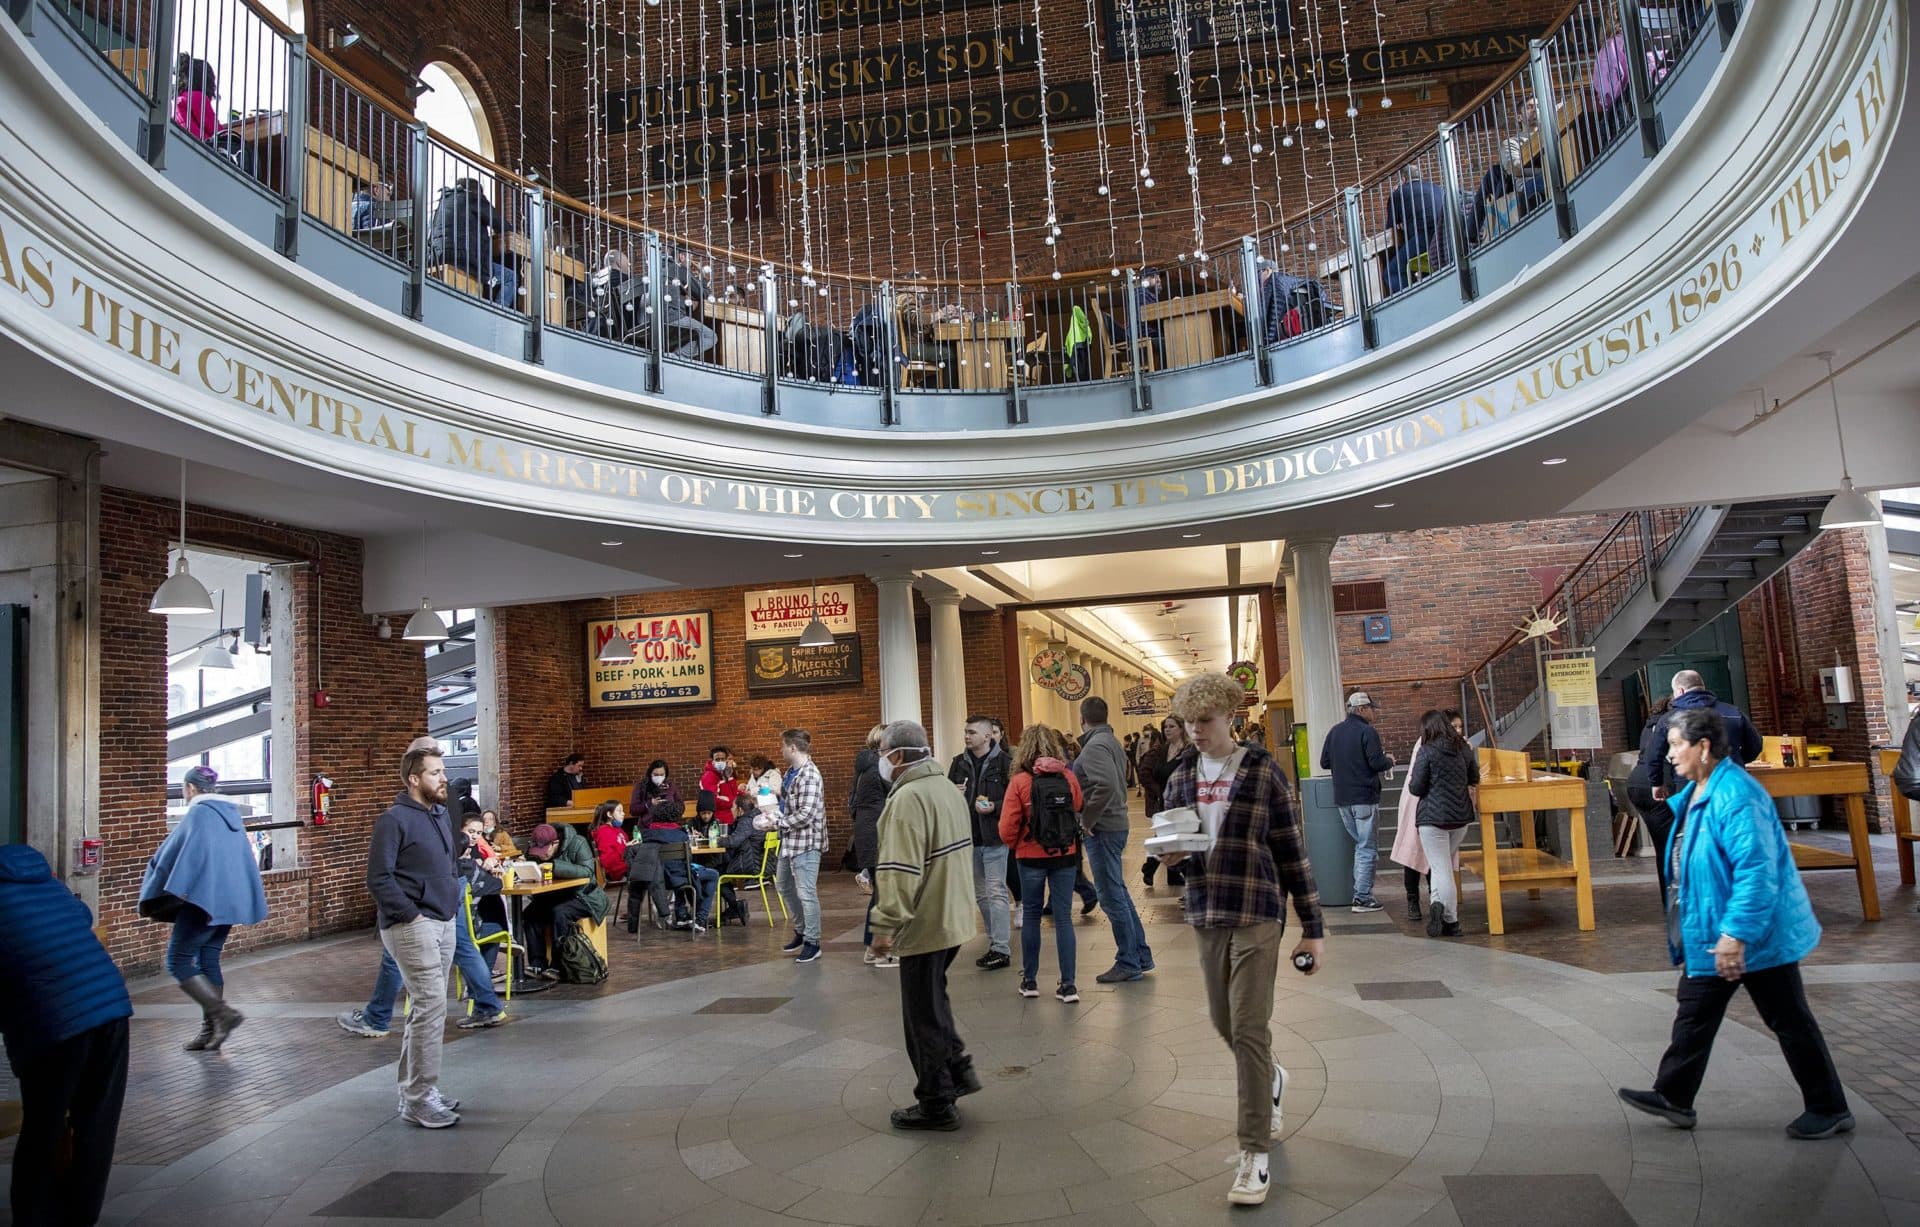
{"type": "Point", "coordinates": [201, 777]}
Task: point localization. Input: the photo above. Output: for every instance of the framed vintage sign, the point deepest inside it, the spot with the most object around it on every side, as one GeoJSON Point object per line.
{"type": "Point", "coordinates": [784, 665]}
{"type": "Point", "coordinates": [782, 613]}
{"type": "Point", "coordinates": [672, 661]}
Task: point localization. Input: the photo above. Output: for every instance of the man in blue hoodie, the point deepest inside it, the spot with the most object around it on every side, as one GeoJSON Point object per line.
{"type": "Point", "coordinates": [64, 1015]}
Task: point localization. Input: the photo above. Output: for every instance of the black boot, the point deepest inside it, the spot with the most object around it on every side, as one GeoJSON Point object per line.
{"type": "Point", "coordinates": [1147, 870]}
{"type": "Point", "coordinates": [1413, 906]}
{"type": "Point", "coordinates": [221, 1018]}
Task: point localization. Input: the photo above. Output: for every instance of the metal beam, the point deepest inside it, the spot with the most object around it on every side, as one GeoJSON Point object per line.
{"type": "Point", "coordinates": [192, 745]}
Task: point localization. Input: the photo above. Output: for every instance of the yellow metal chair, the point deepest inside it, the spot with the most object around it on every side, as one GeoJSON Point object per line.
{"type": "Point", "coordinates": [492, 939]}
{"type": "Point", "coordinates": [761, 881]}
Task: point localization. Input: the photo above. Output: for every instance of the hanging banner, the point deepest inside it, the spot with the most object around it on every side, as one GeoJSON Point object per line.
{"type": "Point", "coordinates": [735, 92]}
{"type": "Point", "coordinates": [1248, 675]}
{"type": "Point", "coordinates": [786, 665]}
{"type": "Point", "coordinates": [1048, 667]}
{"type": "Point", "coordinates": [783, 613]}
{"type": "Point", "coordinates": [1209, 23]}
{"type": "Point", "coordinates": [672, 661]}
{"type": "Point", "coordinates": [1139, 701]}
{"type": "Point", "coordinates": [1573, 703]}
{"type": "Point", "coordinates": [1075, 684]}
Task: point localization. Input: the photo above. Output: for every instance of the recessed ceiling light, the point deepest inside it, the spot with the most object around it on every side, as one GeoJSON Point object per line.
{"type": "Point", "coordinates": [1554, 460]}
{"type": "Point", "coordinates": [612, 543]}
{"type": "Point", "coordinates": [793, 555]}
{"type": "Point", "coordinates": [1188, 536]}
{"type": "Point", "coordinates": [988, 553]}
{"type": "Point", "coordinates": [1383, 506]}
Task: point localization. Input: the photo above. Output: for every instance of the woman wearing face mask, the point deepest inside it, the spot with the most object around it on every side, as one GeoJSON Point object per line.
{"type": "Point", "coordinates": [497, 835]}
{"type": "Point", "coordinates": [718, 788]}
{"type": "Point", "coordinates": [654, 787]}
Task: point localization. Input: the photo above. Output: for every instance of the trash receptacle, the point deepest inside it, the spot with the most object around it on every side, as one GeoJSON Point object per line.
{"type": "Point", "coordinates": [1327, 844]}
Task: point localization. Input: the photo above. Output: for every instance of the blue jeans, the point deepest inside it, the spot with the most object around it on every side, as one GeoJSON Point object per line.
{"type": "Point", "coordinates": [798, 878]}
{"type": "Point", "coordinates": [508, 295]}
{"type": "Point", "coordinates": [1105, 851]}
{"type": "Point", "coordinates": [1036, 881]}
{"type": "Point", "coordinates": [194, 948]}
{"type": "Point", "coordinates": [476, 968]}
{"type": "Point", "coordinates": [1359, 820]}
{"type": "Point", "coordinates": [990, 894]}
{"type": "Point", "coordinates": [706, 880]}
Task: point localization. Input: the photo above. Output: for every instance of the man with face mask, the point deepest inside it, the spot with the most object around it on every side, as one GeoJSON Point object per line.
{"type": "Point", "coordinates": [923, 912]}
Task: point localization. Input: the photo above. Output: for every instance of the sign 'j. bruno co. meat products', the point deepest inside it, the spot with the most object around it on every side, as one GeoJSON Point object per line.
{"type": "Point", "coordinates": [785, 665]}
{"type": "Point", "coordinates": [783, 613]}
{"type": "Point", "coordinates": [672, 661]}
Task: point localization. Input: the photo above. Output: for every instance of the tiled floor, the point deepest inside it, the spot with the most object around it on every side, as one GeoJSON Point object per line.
{"type": "Point", "coordinates": [711, 1080]}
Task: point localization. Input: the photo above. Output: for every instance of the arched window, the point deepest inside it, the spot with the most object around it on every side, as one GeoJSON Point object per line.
{"type": "Point", "coordinates": [452, 108]}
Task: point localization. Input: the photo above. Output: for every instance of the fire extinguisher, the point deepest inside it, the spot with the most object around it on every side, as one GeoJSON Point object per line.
{"type": "Point", "coordinates": [322, 800]}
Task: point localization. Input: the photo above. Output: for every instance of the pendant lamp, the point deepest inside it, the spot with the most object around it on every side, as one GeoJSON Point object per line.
{"type": "Point", "coordinates": [816, 634]}
{"type": "Point", "coordinates": [1849, 508]}
{"type": "Point", "coordinates": [425, 625]}
{"type": "Point", "coordinates": [181, 593]}
{"type": "Point", "coordinates": [616, 651]}
{"type": "Point", "coordinates": [213, 654]}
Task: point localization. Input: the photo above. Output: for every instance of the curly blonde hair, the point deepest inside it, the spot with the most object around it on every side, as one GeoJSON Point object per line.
{"type": "Point", "coordinates": [1037, 741]}
{"type": "Point", "coordinates": [1207, 694]}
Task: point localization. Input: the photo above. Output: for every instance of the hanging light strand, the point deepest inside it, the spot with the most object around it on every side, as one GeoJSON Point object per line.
{"type": "Point", "coordinates": [1051, 238]}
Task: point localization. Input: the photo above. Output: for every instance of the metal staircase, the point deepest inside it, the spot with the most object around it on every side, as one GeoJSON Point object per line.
{"type": "Point", "coordinates": [1654, 579]}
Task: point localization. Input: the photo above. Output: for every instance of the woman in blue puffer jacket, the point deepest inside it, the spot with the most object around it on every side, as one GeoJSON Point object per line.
{"type": "Point", "coordinates": [204, 880]}
{"type": "Point", "coordinates": [1737, 914]}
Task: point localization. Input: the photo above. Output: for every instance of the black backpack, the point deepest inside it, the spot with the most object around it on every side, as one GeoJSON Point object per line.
{"type": "Point", "coordinates": [1052, 821]}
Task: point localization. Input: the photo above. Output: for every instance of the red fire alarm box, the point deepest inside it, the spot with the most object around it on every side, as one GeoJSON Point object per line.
{"type": "Point", "coordinates": [87, 854]}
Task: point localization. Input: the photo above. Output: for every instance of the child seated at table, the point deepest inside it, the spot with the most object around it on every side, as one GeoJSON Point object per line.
{"type": "Point", "coordinates": [664, 827]}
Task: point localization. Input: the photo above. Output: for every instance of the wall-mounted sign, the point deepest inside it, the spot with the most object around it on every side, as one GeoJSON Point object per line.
{"type": "Point", "coordinates": [1248, 675]}
{"type": "Point", "coordinates": [1377, 628]}
{"type": "Point", "coordinates": [1209, 23]}
{"type": "Point", "coordinates": [1366, 64]}
{"type": "Point", "coordinates": [1075, 684]}
{"type": "Point", "coordinates": [783, 613]}
{"type": "Point", "coordinates": [1049, 667]}
{"type": "Point", "coordinates": [672, 661]}
{"type": "Point", "coordinates": [736, 92]}
{"type": "Point", "coordinates": [785, 665]}
{"type": "Point", "coordinates": [896, 130]}
{"type": "Point", "coordinates": [1139, 701]}
{"type": "Point", "coordinates": [763, 21]}
{"type": "Point", "coordinates": [1573, 703]}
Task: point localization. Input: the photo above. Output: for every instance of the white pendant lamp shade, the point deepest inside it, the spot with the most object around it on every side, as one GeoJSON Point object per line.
{"type": "Point", "coordinates": [617, 651]}
{"type": "Point", "coordinates": [1850, 509]}
{"type": "Point", "coordinates": [425, 626]}
{"type": "Point", "coordinates": [181, 593]}
{"type": "Point", "coordinates": [213, 656]}
{"type": "Point", "coordinates": [816, 635]}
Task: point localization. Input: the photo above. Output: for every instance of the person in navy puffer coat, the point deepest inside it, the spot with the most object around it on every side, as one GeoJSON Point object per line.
{"type": "Point", "coordinates": [64, 1015]}
{"type": "Point", "coordinates": [204, 879]}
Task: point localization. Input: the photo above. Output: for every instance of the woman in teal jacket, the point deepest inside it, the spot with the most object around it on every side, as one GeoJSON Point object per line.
{"type": "Point", "coordinates": [1737, 914]}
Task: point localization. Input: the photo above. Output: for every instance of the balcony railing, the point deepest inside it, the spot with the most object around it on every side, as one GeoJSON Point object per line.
{"type": "Point", "coordinates": [338, 156]}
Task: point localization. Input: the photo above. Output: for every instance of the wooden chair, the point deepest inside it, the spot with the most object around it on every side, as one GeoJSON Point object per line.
{"type": "Point", "coordinates": [912, 369]}
{"type": "Point", "coordinates": [460, 279]}
{"type": "Point", "coordinates": [761, 881]}
{"type": "Point", "coordinates": [1036, 358]}
{"type": "Point", "coordinates": [1118, 357]}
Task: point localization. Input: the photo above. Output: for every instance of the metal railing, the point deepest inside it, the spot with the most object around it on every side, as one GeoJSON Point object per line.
{"type": "Point", "coordinates": [342, 157]}
{"type": "Point", "coordinates": [1585, 600]}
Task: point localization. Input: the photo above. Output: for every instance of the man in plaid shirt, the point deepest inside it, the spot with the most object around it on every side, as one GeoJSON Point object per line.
{"type": "Point", "coordinates": [1234, 902]}
{"type": "Point", "coordinates": [802, 823]}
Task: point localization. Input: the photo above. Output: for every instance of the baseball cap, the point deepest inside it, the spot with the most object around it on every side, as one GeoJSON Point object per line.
{"type": "Point", "coordinates": [1359, 699]}
{"type": "Point", "coordinates": [544, 834]}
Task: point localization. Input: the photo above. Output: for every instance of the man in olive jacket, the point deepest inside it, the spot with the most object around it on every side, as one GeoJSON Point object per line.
{"type": "Point", "coordinates": [923, 911]}
{"type": "Point", "coordinates": [550, 916]}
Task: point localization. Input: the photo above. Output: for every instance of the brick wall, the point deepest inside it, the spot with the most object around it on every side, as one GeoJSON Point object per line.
{"type": "Point", "coordinates": [379, 704]}
{"type": "Point", "coordinates": [542, 654]}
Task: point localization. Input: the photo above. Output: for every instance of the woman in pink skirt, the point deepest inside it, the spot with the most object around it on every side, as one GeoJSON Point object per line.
{"type": "Point", "coordinates": [1407, 852]}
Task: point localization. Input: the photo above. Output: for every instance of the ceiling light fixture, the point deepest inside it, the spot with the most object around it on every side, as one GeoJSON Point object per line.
{"type": "Point", "coordinates": [1188, 536]}
{"type": "Point", "coordinates": [1553, 460]}
{"type": "Point", "coordinates": [1849, 508]}
{"type": "Point", "coordinates": [816, 634]}
{"type": "Point", "coordinates": [213, 654]}
{"type": "Point", "coordinates": [1383, 506]}
{"type": "Point", "coordinates": [616, 650]}
{"type": "Point", "coordinates": [425, 625]}
{"type": "Point", "coordinates": [793, 555]}
{"type": "Point", "coordinates": [611, 544]}
{"type": "Point", "coordinates": [181, 593]}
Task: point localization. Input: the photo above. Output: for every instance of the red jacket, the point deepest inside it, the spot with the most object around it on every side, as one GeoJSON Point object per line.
{"type": "Point", "coordinates": [1019, 799]}
{"type": "Point", "coordinates": [611, 847]}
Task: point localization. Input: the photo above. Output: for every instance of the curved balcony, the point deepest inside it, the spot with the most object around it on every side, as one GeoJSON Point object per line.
{"type": "Point", "coordinates": [1387, 335]}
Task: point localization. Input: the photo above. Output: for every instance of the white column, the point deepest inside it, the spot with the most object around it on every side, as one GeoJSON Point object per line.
{"type": "Point", "coordinates": [899, 654]}
{"type": "Point", "coordinates": [1886, 634]}
{"type": "Point", "coordinates": [1315, 648]}
{"type": "Point", "coordinates": [486, 705]}
{"type": "Point", "coordinates": [949, 673]}
{"type": "Point", "coordinates": [1036, 712]}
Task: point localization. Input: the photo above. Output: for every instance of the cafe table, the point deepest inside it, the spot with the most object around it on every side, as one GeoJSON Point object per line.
{"type": "Point", "coordinates": [1903, 834]}
{"type": "Point", "coordinates": [1195, 328]}
{"type": "Point", "coordinates": [517, 893]}
{"type": "Point", "coordinates": [566, 273]}
{"type": "Point", "coordinates": [1850, 783]}
{"type": "Point", "coordinates": [982, 350]}
{"type": "Point", "coordinates": [333, 170]}
{"type": "Point", "coordinates": [1529, 867]}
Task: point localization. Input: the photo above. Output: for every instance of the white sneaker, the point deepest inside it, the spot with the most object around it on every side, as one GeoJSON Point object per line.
{"type": "Point", "coordinates": [1250, 1181]}
{"type": "Point", "coordinates": [1279, 1090]}
{"type": "Point", "coordinates": [436, 1099]}
{"type": "Point", "coordinates": [887, 962]}
{"type": "Point", "coordinates": [867, 957]}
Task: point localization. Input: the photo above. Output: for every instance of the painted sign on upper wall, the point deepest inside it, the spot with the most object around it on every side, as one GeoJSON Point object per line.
{"type": "Point", "coordinates": [783, 613]}
{"type": "Point", "coordinates": [765, 21]}
{"type": "Point", "coordinates": [672, 661]}
{"type": "Point", "coordinates": [1209, 23]}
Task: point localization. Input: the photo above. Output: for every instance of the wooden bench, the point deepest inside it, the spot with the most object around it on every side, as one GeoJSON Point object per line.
{"type": "Point", "coordinates": [1508, 786]}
